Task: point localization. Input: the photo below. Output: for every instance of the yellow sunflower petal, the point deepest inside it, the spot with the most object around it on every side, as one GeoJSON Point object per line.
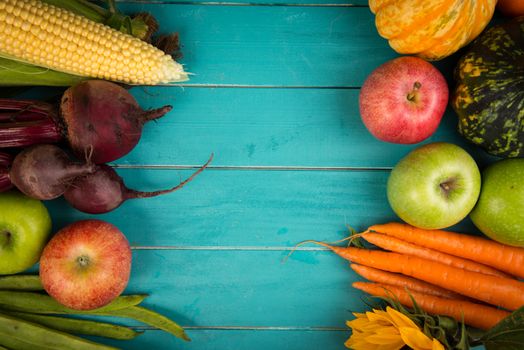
{"type": "Point", "coordinates": [360, 344]}
{"type": "Point", "coordinates": [380, 316]}
{"type": "Point", "coordinates": [359, 315]}
{"type": "Point", "coordinates": [399, 319]}
{"type": "Point", "coordinates": [390, 330]}
{"type": "Point", "coordinates": [437, 345]}
{"type": "Point", "coordinates": [415, 338]}
{"type": "Point", "coordinates": [384, 338]}
{"type": "Point", "coordinates": [363, 325]}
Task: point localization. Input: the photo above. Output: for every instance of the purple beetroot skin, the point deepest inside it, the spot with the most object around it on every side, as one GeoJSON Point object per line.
{"type": "Point", "coordinates": [45, 171]}
{"type": "Point", "coordinates": [104, 190]}
{"type": "Point", "coordinates": [96, 117]}
{"type": "Point", "coordinates": [104, 117]}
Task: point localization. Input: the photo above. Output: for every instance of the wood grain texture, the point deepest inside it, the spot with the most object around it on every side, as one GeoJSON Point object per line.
{"type": "Point", "coordinates": [275, 97]}
{"type": "Point", "coordinates": [266, 127]}
{"type": "Point", "coordinates": [340, 3]}
{"type": "Point", "coordinates": [242, 208]}
{"type": "Point", "coordinates": [273, 45]}
{"type": "Point", "coordinates": [237, 339]}
{"type": "Point", "coordinates": [246, 288]}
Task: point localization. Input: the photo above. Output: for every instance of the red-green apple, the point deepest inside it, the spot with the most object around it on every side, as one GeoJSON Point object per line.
{"type": "Point", "coordinates": [434, 186]}
{"type": "Point", "coordinates": [499, 212]}
{"type": "Point", "coordinates": [86, 265]}
{"type": "Point", "coordinates": [25, 227]}
{"type": "Point", "coordinates": [403, 100]}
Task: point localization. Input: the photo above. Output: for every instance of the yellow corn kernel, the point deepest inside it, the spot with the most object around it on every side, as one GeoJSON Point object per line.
{"type": "Point", "coordinates": [30, 29]}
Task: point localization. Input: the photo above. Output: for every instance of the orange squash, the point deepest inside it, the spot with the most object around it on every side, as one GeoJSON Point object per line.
{"type": "Point", "coordinates": [431, 29]}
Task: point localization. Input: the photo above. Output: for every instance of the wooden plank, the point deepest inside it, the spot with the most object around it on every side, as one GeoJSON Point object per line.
{"type": "Point", "coordinates": [266, 127]}
{"type": "Point", "coordinates": [246, 288]}
{"type": "Point", "coordinates": [358, 3]}
{"type": "Point", "coordinates": [228, 208]}
{"type": "Point", "coordinates": [237, 339]}
{"type": "Point", "coordinates": [273, 45]}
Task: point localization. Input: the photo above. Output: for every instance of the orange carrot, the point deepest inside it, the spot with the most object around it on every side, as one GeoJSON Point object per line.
{"type": "Point", "coordinates": [476, 315]}
{"type": "Point", "coordinates": [395, 279]}
{"type": "Point", "coordinates": [399, 246]}
{"type": "Point", "coordinates": [503, 257]}
{"type": "Point", "coordinates": [498, 291]}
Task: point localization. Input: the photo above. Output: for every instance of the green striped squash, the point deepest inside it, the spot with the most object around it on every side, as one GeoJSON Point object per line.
{"type": "Point", "coordinates": [489, 92]}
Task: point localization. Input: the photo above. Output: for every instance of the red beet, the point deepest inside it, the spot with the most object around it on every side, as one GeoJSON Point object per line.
{"type": "Point", "coordinates": [5, 162]}
{"type": "Point", "coordinates": [96, 117]}
{"type": "Point", "coordinates": [104, 190]}
{"type": "Point", "coordinates": [106, 117]}
{"type": "Point", "coordinates": [45, 171]}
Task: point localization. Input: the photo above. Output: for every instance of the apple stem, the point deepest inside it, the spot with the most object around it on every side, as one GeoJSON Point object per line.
{"type": "Point", "coordinates": [83, 261]}
{"type": "Point", "coordinates": [413, 93]}
{"type": "Point", "coordinates": [447, 187]}
{"type": "Point", "coordinates": [5, 238]}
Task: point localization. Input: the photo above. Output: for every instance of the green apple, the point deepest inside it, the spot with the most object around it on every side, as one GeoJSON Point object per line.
{"type": "Point", "coordinates": [25, 226]}
{"type": "Point", "coordinates": [434, 186]}
{"type": "Point", "coordinates": [499, 213]}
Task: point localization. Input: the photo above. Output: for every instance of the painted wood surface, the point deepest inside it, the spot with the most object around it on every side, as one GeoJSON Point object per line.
{"type": "Point", "coordinates": [275, 97]}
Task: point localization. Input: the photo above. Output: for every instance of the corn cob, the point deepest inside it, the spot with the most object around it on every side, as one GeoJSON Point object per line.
{"type": "Point", "coordinates": [44, 35]}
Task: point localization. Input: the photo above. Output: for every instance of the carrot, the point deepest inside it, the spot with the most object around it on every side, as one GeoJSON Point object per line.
{"type": "Point", "coordinates": [398, 280]}
{"type": "Point", "coordinates": [498, 291]}
{"type": "Point", "coordinates": [399, 246]}
{"type": "Point", "coordinates": [476, 315]}
{"type": "Point", "coordinates": [503, 257]}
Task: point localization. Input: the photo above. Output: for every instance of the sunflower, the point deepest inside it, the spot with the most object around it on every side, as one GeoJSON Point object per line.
{"type": "Point", "coordinates": [388, 330]}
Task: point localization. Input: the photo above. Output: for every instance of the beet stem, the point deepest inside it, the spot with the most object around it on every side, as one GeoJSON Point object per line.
{"type": "Point", "coordinates": [24, 110]}
{"type": "Point", "coordinates": [5, 181]}
{"type": "Point", "coordinates": [27, 105]}
{"type": "Point", "coordinates": [154, 113]}
{"type": "Point", "coordinates": [20, 134]}
{"type": "Point", "coordinates": [5, 160]}
{"type": "Point", "coordinates": [132, 194]}
{"type": "Point", "coordinates": [5, 163]}
{"type": "Point", "coordinates": [20, 116]}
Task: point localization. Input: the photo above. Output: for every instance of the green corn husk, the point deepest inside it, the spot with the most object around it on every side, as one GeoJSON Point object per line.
{"type": "Point", "coordinates": [137, 26]}
{"type": "Point", "coordinates": [15, 73]}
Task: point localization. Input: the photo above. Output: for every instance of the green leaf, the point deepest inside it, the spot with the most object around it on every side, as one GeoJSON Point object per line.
{"type": "Point", "coordinates": [463, 343]}
{"type": "Point", "coordinates": [508, 334]}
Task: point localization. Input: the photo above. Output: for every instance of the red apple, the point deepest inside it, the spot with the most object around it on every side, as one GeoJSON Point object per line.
{"type": "Point", "coordinates": [403, 100]}
{"type": "Point", "coordinates": [86, 265]}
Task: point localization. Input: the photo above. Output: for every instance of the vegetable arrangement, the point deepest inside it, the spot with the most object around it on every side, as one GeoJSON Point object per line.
{"type": "Point", "coordinates": [489, 94]}
{"type": "Point", "coordinates": [424, 273]}
{"type": "Point", "coordinates": [90, 49]}
{"type": "Point", "coordinates": [141, 26]}
{"type": "Point", "coordinates": [49, 151]}
{"type": "Point", "coordinates": [100, 121]}
{"type": "Point", "coordinates": [30, 319]}
{"type": "Point", "coordinates": [97, 118]}
{"type": "Point", "coordinates": [431, 29]}
{"type": "Point", "coordinates": [442, 278]}
{"type": "Point", "coordinates": [474, 281]}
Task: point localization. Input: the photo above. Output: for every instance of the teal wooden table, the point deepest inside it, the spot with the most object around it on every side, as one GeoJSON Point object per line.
{"type": "Point", "coordinates": [275, 96]}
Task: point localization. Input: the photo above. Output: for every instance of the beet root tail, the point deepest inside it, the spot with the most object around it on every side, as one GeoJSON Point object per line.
{"type": "Point", "coordinates": [132, 194]}
{"type": "Point", "coordinates": [153, 114]}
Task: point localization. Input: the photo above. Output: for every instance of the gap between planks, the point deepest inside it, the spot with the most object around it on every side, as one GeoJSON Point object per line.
{"type": "Point", "coordinates": [246, 86]}
{"type": "Point", "coordinates": [250, 167]}
{"type": "Point", "coordinates": [250, 328]}
{"type": "Point", "coordinates": [231, 248]}
{"type": "Point", "coordinates": [232, 3]}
